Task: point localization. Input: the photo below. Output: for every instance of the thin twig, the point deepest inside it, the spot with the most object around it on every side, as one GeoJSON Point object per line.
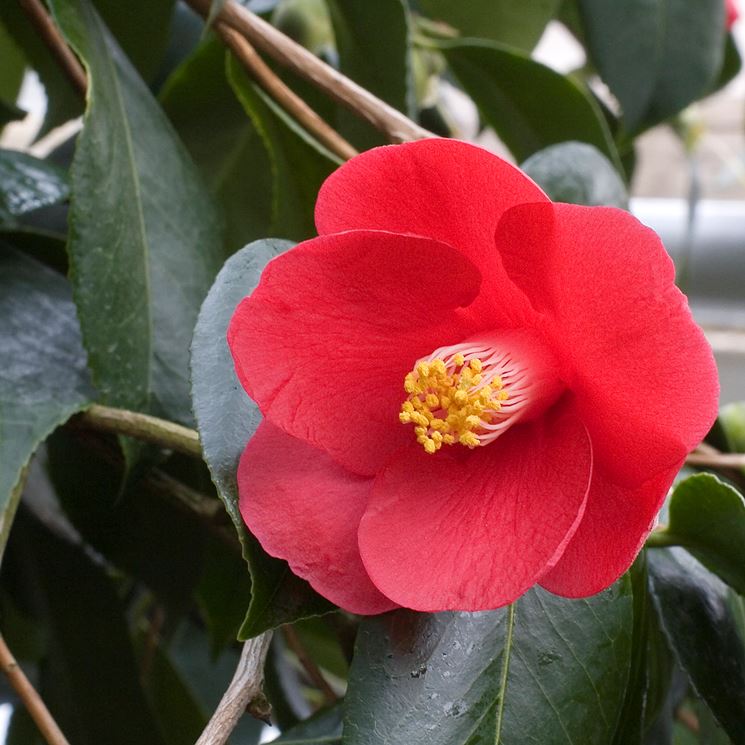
{"type": "Point", "coordinates": [51, 36]}
{"type": "Point", "coordinates": [243, 689]}
{"type": "Point", "coordinates": [716, 459]}
{"type": "Point", "coordinates": [284, 96]}
{"type": "Point", "coordinates": [396, 126]}
{"type": "Point", "coordinates": [311, 669]}
{"type": "Point", "coordinates": [143, 427]}
{"type": "Point", "coordinates": [31, 699]}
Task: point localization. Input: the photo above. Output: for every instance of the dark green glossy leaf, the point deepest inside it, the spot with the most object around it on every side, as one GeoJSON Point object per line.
{"type": "Point", "coordinates": [657, 56]}
{"type": "Point", "coordinates": [89, 680]}
{"type": "Point", "coordinates": [226, 419]}
{"type": "Point", "coordinates": [528, 104]}
{"type": "Point", "coordinates": [372, 39]}
{"type": "Point", "coordinates": [514, 22]}
{"type": "Point", "coordinates": [731, 65]}
{"type": "Point", "coordinates": [145, 241]}
{"type": "Point", "coordinates": [577, 173]}
{"type": "Point", "coordinates": [693, 607]}
{"type": "Point", "coordinates": [43, 376]}
{"type": "Point", "coordinates": [223, 142]}
{"type": "Point", "coordinates": [27, 183]}
{"type": "Point", "coordinates": [439, 678]}
{"type": "Point", "coordinates": [707, 516]}
{"type": "Point", "coordinates": [63, 101]}
{"type": "Point", "coordinates": [299, 164]}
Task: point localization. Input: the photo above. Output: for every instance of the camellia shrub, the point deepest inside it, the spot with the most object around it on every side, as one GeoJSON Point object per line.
{"type": "Point", "coordinates": [322, 423]}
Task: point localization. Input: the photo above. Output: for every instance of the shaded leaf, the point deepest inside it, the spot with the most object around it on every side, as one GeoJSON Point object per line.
{"type": "Point", "coordinates": [89, 679]}
{"type": "Point", "coordinates": [695, 613]}
{"type": "Point", "coordinates": [577, 173]}
{"type": "Point", "coordinates": [43, 375]}
{"type": "Point", "coordinates": [373, 42]}
{"type": "Point", "coordinates": [140, 28]}
{"type": "Point", "coordinates": [707, 516]}
{"type": "Point", "coordinates": [145, 240]}
{"type": "Point", "coordinates": [514, 22]}
{"type": "Point", "coordinates": [299, 164]}
{"type": "Point", "coordinates": [27, 183]}
{"type": "Point", "coordinates": [223, 142]}
{"type": "Point", "coordinates": [440, 678]}
{"type": "Point", "coordinates": [226, 419]}
{"type": "Point", "coordinates": [13, 67]}
{"type": "Point", "coordinates": [139, 530]}
{"type": "Point", "coordinates": [529, 105]}
{"type": "Point", "coordinates": [657, 56]}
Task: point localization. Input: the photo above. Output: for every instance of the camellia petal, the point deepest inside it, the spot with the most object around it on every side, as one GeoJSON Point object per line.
{"type": "Point", "coordinates": [305, 508]}
{"type": "Point", "coordinates": [472, 530]}
{"type": "Point", "coordinates": [643, 373]}
{"type": "Point", "coordinates": [444, 189]}
{"type": "Point", "coordinates": [324, 342]}
{"type": "Point", "coordinates": [614, 527]}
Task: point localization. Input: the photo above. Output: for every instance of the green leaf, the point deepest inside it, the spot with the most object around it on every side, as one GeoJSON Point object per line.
{"type": "Point", "coordinates": [226, 419]}
{"type": "Point", "coordinates": [223, 142]}
{"type": "Point", "coordinates": [516, 23]}
{"type": "Point", "coordinates": [707, 516]}
{"type": "Point", "coordinates": [13, 67]}
{"type": "Point", "coordinates": [27, 184]}
{"type": "Point", "coordinates": [43, 379]}
{"type": "Point", "coordinates": [577, 173]}
{"type": "Point", "coordinates": [731, 65]}
{"type": "Point", "coordinates": [460, 678]}
{"type": "Point", "coordinates": [140, 28]}
{"type": "Point", "coordinates": [299, 164]}
{"type": "Point", "coordinates": [529, 105]}
{"type": "Point", "coordinates": [656, 56]}
{"type": "Point", "coordinates": [90, 679]}
{"type": "Point", "coordinates": [695, 614]}
{"type": "Point", "coordinates": [145, 240]}
{"type": "Point", "coordinates": [373, 41]}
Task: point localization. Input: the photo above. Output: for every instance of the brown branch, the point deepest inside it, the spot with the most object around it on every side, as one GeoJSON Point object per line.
{"type": "Point", "coordinates": [309, 665]}
{"type": "Point", "coordinates": [244, 689]}
{"type": "Point", "coordinates": [284, 96]}
{"type": "Point", "coordinates": [51, 36]}
{"type": "Point", "coordinates": [142, 427]}
{"type": "Point", "coordinates": [31, 699]}
{"type": "Point", "coordinates": [716, 459]}
{"type": "Point", "coordinates": [396, 126]}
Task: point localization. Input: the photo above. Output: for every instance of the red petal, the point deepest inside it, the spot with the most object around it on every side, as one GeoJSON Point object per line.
{"type": "Point", "coordinates": [642, 371]}
{"type": "Point", "coordinates": [444, 189]}
{"type": "Point", "coordinates": [475, 532]}
{"type": "Point", "coordinates": [304, 508]}
{"type": "Point", "coordinates": [324, 342]}
{"type": "Point", "coordinates": [616, 523]}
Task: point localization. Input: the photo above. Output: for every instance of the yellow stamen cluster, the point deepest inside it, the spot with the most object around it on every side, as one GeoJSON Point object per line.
{"type": "Point", "coordinates": [448, 404]}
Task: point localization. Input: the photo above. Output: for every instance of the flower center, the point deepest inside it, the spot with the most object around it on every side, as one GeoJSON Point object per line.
{"type": "Point", "coordinates": [471, 393]}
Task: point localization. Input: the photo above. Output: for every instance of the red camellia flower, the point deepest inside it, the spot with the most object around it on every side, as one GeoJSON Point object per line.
{"type": "Point", "coordinates": [467, 389]}
{"type": "Point", "coordinates": [732, 13]}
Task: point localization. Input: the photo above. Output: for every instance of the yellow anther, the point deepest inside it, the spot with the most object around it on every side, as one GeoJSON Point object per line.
{"type": "Point", "coordinates": [447, 402]}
